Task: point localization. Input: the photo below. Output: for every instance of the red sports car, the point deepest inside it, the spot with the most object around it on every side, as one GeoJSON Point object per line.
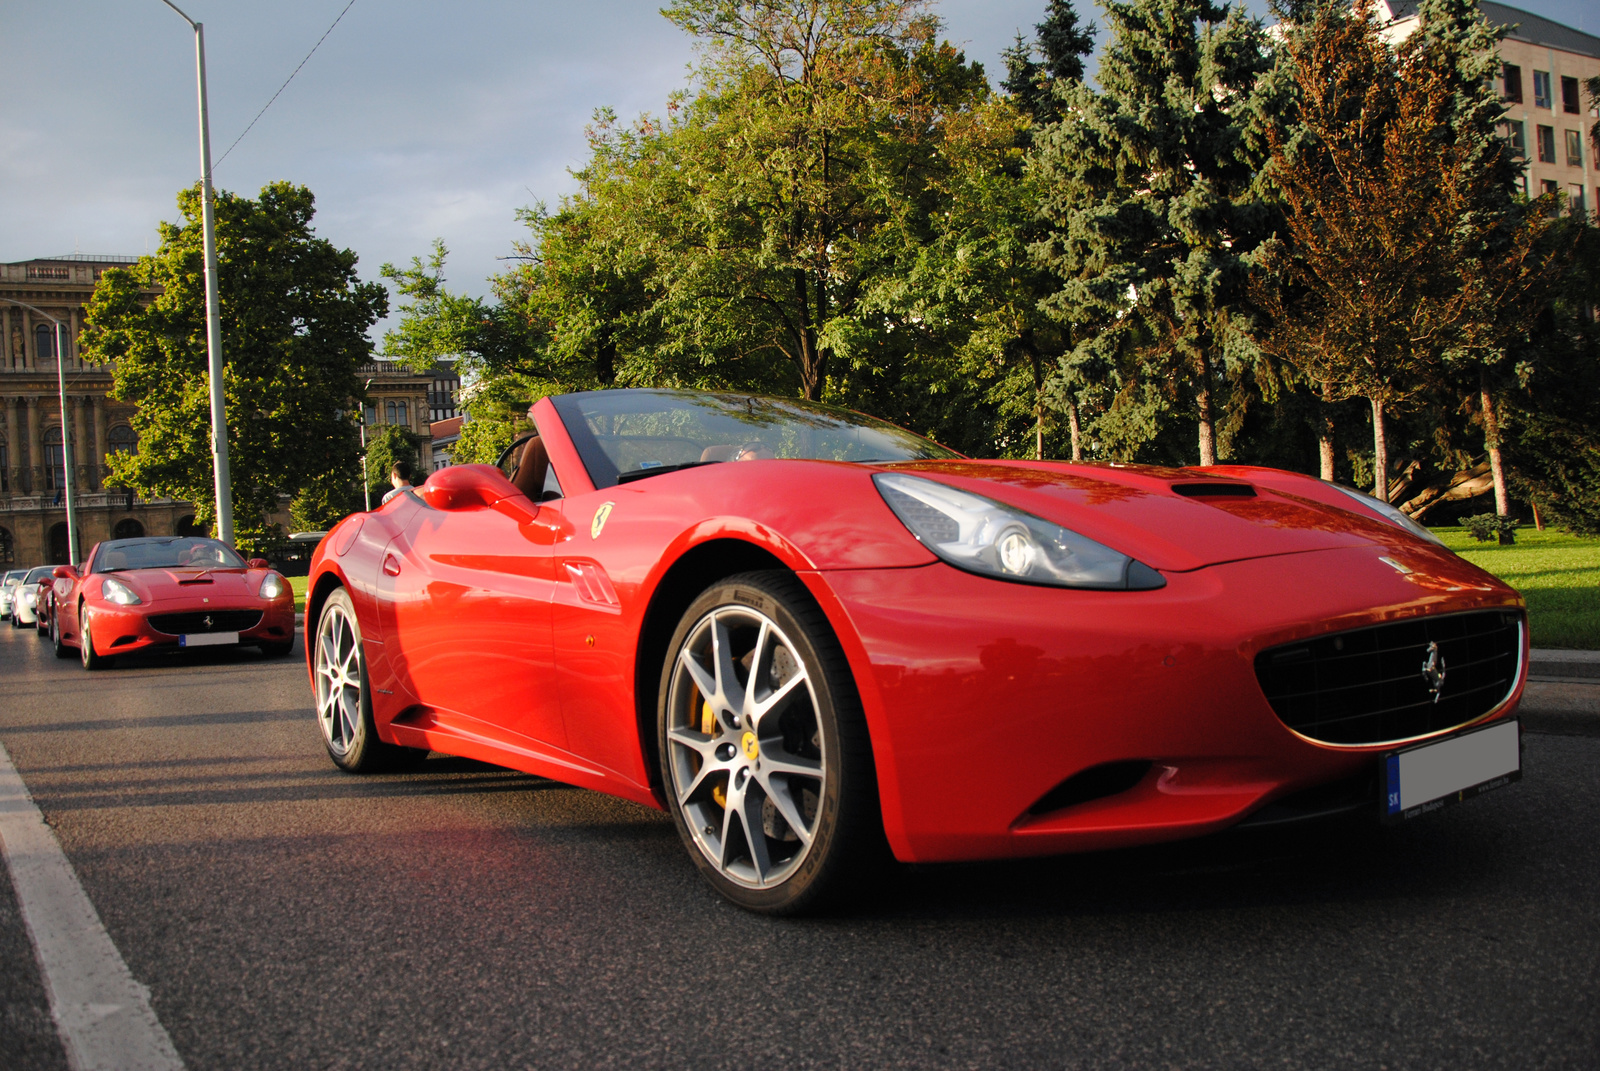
{"type": "Point", "coordinates": [177, 591]}
{"type": "Point", "coordinates": [805, 632]}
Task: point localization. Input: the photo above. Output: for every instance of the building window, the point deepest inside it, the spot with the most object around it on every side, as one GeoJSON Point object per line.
{"type": "Point", "coordinates": [1513, 81]}
{"type": "Point", "coordinates": [388, 412]}
{"type": "Point", "coordinates": [1547, 144]}
{"type": "Point", "coordinates": [1569, 96]}
{"type": "Point", "coordinates": [1541, 89]}
{"type": "Point", "coordinates": [44, 342]}
{"type": "Point", "coordinates": [1516, 134]}
{"type": "Point", "coordinates": [122, 440]}
{"type": "Point", "coordinates": [1574, 148]}
{"type": "Point", "coordinates": [1575, 199]}
{"type": "Point", "coordinates": [371, 415]}
{"type": "Point", "coordinates": [128, 528]}
{"type": "Point", "coordinates": [404, 419]}
{"type": "Point", "coordinates": [8, 547]}
{"type": "Point", "coordinates": [5, 469]}
{"type": "Point", "coordinates": [55, 462]}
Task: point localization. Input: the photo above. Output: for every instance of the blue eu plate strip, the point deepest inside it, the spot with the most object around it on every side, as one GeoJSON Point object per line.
{"type": "Point", "coordinates": [1392, 764]}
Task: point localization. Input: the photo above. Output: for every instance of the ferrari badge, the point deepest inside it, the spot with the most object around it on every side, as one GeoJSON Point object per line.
{"type": "Point", "coordinates": [599, 522]}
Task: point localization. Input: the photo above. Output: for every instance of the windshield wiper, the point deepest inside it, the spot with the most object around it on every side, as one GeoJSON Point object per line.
{"type": "Point", "coordinates": [656, 470]}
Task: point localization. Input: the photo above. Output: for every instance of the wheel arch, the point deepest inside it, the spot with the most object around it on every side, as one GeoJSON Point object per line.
{"type": "Point", "coordinates": [697, 569]}
{"type": "Point", "coordinates": [326, 584]}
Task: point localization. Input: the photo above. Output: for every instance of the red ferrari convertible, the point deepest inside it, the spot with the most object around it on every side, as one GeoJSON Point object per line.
{"type": "Point", "coordinates": [805, 632]}
{"type": "Point", "coordinates": [176, 591]}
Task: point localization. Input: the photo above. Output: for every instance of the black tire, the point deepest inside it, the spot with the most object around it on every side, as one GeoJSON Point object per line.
{"type": "Point", "coordinates": [61, 649]}
{"type": "Point", "coordinates": [836, 805]}
{"type": "Point", "coordinates": [277, 650]}
{"type": "Point", "coordinates": [344, 697]}
{"type": "Point", "coordinates": [86, 652]}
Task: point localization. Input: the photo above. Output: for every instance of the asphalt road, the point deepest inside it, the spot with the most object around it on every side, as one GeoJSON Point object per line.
{"type": "Point", "coordinates": [285, 914]}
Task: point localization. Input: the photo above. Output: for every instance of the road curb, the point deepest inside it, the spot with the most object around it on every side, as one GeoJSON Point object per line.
{"type": "Point", "coordinates": [1563, 692]}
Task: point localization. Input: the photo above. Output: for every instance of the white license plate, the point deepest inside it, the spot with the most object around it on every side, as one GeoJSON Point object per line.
{"type": "Point", "coordinates": [1429, 776]}
{"type": "Point", "coordinates": [207, 639]}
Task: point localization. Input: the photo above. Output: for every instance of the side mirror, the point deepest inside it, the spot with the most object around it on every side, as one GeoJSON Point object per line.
{"type": "Point", "coordinates": [467, 487]}
{"type": "Point", "coordinates": [259, 563]}
{"type": "Point", "coordinates": [64, 572]}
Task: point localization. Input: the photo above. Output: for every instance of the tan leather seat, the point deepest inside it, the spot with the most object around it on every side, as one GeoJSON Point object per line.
{"type": "Point", "coordinates": [718, 453]}
{"type": "Point", "coordinates": [531, 469]}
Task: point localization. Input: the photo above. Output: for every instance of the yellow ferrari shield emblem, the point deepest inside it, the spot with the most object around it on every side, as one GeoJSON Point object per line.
{"type": "Point", "coordinates": [752, 749]}
{"type": "Point", "coordinates": [599, 521]}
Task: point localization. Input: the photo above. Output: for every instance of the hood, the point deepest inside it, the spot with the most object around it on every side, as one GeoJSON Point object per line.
{"type": "Point", "coordinates": [154, 584]}
{"type": "Point", "coordinates": [1171, 519]}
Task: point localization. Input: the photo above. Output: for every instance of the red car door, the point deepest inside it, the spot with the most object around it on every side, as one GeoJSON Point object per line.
{"type": "Point", "coordinates": [467, 599]}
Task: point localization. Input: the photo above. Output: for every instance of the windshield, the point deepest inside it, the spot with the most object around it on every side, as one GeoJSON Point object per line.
{"type": "Point", "coordinates": [628, 434]}
{"type": "Point", "coordinates": [178, 552]}
{"type": "Point", "coordinates": [38, 573]}
{"type": "Point", "coordinates": [15, 574]}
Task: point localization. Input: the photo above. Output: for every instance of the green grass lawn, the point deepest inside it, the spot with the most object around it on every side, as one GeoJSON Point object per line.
{"type": "Point", "coordinates": [1559, 575]}
{"type": "Point", "coordinates": [297, 584]}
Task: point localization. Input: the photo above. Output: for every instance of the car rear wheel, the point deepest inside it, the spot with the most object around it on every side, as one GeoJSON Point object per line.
{"type": "Point", "coordinates": [344, 698]}
{"type": "Point", "coordinates": [91, 660]}
{"type": "Point", "coordinates": [764, 752]}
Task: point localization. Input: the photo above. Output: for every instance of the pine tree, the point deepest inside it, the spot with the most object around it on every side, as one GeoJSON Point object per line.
{"type": "Point", "coordinates": [1150, 189]}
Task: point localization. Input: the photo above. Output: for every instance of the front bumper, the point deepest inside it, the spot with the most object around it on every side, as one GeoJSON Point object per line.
{"type": "Point", "coordinates": [983, 696]}
{"type": "Point", "coordinates": [118, 630]}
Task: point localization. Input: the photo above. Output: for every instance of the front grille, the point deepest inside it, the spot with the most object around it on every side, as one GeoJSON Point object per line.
{"type": "Point", "coordinates": [1368, 686]}
{"type": "Point", "coordinates": [196, 621]}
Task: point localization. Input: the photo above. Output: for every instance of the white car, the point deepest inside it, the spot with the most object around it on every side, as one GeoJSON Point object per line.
{"type": "Point", "coordinates": [8, 590]}
{"type": "Point", "coordinates": [23, 612]}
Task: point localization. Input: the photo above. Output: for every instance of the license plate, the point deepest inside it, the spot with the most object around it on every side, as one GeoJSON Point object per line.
{"type": "Point", "coordinates": [1424, 778]}
{"type": "Point", "coordinates": [207, 639]}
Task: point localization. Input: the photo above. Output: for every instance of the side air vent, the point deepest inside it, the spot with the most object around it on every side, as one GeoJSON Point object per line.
{"type": "Point", "coordinates": [1214, 490]}
{"type": "Point", "coordinates": [1097, 782]}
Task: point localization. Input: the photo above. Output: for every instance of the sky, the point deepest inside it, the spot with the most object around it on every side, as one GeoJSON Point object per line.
{"type": "Point", "coordinates": [414, 120]}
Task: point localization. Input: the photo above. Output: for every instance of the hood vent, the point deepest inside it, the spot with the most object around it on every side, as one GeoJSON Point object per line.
{"type": "Point", "coordinates": [1214, 490]}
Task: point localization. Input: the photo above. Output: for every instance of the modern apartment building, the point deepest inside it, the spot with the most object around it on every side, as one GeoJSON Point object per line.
{"type": "Point", "coordinates": [1544, 68]}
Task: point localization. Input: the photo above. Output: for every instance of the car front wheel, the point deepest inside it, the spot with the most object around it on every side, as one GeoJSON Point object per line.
{"type": "Point", "coordinates": [61, 649]}
{"type": "Point", "coordinates": [91, 660]}
{"type": "Point", "coordinates": [344, 699]}
{"type": "Point", "coordinates": [764, 752]}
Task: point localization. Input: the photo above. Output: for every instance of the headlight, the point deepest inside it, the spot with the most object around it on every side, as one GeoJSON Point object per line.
{"type": "Point", "coordinates": [1390, 514]}
{"type": "Point", "coordinates": [982, 536]}
{"type": "Point", "coordinates": [272, 586]}
{"type": "Point", "coordinates": [30, 597]}
{"type": "Point", "coordinates": [118, 592]}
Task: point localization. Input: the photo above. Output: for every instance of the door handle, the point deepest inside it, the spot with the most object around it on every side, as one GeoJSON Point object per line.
{"type": "Point", "coordinates": [391, 565]}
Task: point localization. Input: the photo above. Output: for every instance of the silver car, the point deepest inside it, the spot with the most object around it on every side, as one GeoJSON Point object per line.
{"type": "Point", "coordinates": [8, 590]}
{"type": "Point", "coordinates": [23, 612]}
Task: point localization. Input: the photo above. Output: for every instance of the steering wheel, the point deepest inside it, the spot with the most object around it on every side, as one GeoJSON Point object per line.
{"type": "Point", "coordinates": [513, 455]}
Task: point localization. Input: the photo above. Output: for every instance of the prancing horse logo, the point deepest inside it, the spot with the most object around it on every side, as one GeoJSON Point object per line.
{"type": "Point", "coordinates": [1433, 670]}
{"type": "Point", "coordinates": [208, 622]}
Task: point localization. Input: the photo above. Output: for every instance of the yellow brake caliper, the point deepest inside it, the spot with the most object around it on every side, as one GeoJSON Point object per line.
{"type": "Point", "coordinates": [708, 726]}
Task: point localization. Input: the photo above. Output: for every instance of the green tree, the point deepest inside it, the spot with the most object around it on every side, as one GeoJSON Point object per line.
{"type": "Point", "coordinates": [294, 328]}
{"type": "Point", "coordinates": [386, 445]}
{"type": "Point", "coordinates": [1403, 246]}
{"type": "Point", "coordinates": [1151, 189]}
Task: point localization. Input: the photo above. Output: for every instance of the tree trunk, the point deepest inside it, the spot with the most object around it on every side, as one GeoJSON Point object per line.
{"type": "Point", "coordinates": [1208, 431]}
{"type": "Point", "coordinates": [1380, 453]}
{"type": "Point", "coordinates": [1491, 441]}
{"type": "Point", "coordinates": [1538, 522]}
{"type": "Point", "coordinates": [1325, 455]}
{"type": "Point", "coordinates": [1072, 424]}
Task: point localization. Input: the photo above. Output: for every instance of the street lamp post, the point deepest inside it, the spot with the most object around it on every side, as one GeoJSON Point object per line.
{"type": "Point", "coordinates": [208, 230]}
{"type": "Point", "coordinates": [366, 488]}
{"type": "Point", "coordinates": [66, 448]}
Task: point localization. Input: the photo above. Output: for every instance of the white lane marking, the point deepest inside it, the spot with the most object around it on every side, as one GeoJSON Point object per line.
{"type": "Point", "coordinates": [103, 1014]}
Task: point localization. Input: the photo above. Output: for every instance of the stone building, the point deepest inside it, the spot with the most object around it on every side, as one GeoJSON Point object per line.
{"type": "Point", "coordinates": [33, 518]}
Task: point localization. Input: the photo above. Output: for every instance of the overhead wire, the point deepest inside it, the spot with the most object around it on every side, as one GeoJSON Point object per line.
{"type": "Point", "coordinates": [285, 85]}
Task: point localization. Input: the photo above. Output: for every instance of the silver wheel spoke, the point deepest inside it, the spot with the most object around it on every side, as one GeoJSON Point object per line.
{"type": "Point", "coordinates": [760, 782]}
{"type": "Point", "coordinates": [778, 792]}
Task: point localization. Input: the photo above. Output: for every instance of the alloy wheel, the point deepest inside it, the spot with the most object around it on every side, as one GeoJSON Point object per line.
{"type": "Point", "coordinates": [339, 679]}
{"type": "Point", "coordinates": [746, 756]}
